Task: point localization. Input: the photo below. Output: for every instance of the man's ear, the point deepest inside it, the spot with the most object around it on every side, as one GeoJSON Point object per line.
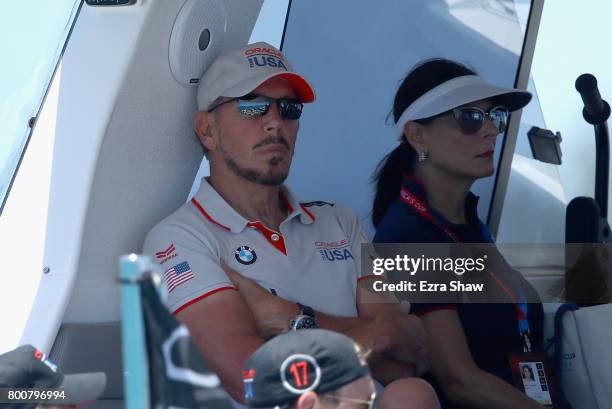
{"type": "Point", "coordinates": [413, 135]}
{"type": "Point", "coordinates": [307, 401]}
{"type": "Point", "coordinates": [203, 128]}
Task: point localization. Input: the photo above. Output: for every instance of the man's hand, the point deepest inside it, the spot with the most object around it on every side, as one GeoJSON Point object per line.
{"type": "Point", "coordinates": [406, 336]}
{"type": "Point", "coordinates": [271, 313]}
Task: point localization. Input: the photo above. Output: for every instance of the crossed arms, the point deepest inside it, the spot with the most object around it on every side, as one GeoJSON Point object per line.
{"type": "Point", "coordinates": [230, 325]}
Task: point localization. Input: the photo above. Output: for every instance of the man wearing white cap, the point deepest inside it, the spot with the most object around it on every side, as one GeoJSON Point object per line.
{"type": "Point", "coordinates": [296, 265]}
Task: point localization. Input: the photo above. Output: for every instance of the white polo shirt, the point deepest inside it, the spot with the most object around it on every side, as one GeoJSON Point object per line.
{"type": "Point", "coordinates": [314, 259]}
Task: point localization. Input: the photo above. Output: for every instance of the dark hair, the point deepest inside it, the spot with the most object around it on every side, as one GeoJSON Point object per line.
{"type": "Point", "coordinates": [423, 77]}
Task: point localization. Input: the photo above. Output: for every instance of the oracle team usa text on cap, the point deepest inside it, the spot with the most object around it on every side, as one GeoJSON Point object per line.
{"type": "Point", "coordinates": [237, 72]}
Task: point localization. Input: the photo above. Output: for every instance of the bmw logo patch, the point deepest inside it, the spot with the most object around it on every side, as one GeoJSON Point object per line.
{"type": "Point", "coordinates": [245, 255]}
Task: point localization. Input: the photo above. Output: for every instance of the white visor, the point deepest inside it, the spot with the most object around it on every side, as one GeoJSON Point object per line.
{"type": "Point", "coordinates": [457, 92]}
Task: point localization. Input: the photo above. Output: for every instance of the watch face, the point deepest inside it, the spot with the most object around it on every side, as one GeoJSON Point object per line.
{"type": "Point", "coordinates": [303, 322]}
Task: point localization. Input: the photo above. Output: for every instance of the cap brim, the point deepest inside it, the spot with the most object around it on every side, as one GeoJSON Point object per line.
{"type": "Point", "coordinates": [305, 92]}
{"type": "Point", "coordinates": [512, 98]}
{"type": "Point", "coordinates": [457, 92]}
{"type": "Point", "coordinates": [83, 387]}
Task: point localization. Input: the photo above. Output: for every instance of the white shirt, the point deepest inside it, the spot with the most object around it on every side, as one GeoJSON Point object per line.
{"type": "Point", "coordinates": [314, 259]}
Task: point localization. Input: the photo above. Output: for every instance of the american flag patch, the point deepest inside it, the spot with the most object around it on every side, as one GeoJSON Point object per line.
{"type": "Point", "coordinates": [177, 275]}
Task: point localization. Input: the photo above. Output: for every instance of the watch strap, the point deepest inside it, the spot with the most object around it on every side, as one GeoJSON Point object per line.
{"type": "Point", "coordinates": [306, 310]}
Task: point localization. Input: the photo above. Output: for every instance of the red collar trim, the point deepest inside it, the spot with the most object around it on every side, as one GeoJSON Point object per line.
{"type": "Point", "coordinates": [308, 212]}
{"type": "Point", "coordinates": [274, 238]}
{"type": "Point", "coordinates": [207, 216]}
{"type": "Point", "coordinates": [290, 208]}
{"type": "Point", "coordinates": [279, 243]}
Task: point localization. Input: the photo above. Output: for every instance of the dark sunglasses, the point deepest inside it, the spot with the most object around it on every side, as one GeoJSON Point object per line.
{"type": "Point", "coordinates": [471, 119]}
{"type": "Point", "coordinates": [253, 105]}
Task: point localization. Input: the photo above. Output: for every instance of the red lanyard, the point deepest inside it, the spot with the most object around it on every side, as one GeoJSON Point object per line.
{"type": "Point", "coordinates": [521, 309]}
{"type": "Point", "coordinates": [417, 204]}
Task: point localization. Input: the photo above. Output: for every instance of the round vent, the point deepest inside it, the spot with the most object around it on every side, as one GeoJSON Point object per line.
{"type": "Point", "coordinates": [196, 39]}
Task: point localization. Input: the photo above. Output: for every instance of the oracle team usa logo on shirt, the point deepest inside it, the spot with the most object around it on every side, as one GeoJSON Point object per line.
{"type": "Point", "coordinates": [245, 255]}
{"type": "Point", "coordinates": [334, 250]}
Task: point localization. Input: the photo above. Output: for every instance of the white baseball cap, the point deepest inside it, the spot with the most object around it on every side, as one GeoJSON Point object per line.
{"type": "Point", "coordinates": [237, 72]}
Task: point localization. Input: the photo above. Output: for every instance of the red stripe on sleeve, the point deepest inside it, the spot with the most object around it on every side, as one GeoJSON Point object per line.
{"type": "Point", "coordinates": [195, 300]}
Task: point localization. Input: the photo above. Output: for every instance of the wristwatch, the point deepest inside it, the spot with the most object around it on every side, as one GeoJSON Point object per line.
{"type": "Point", "coordinates": [305, 319]}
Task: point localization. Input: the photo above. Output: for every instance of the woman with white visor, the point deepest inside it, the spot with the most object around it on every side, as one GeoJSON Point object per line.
{"type": "Point", "coordinates": [447, 120]}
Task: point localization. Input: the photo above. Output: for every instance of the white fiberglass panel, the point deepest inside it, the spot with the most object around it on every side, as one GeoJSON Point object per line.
{"type": "Point", "coordinates": [23, 227]}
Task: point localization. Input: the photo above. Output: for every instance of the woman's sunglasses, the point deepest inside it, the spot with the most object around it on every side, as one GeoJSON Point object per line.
{"type": "Point", "coordinates": [471, 119]}
{"type": "Point", "coordinates": [253, 105]}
